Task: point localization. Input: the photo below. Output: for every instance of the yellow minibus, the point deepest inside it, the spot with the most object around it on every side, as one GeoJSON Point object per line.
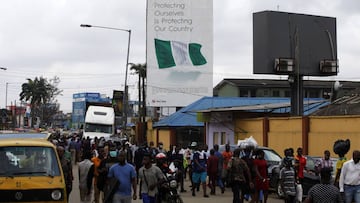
{"type": "Point", "coordinates": [30, 170]}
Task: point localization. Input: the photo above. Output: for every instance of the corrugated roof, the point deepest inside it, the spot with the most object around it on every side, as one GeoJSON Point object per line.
{"type": "Point", "coordinates": [267, 106]}
{"type": "Point", "coordinates": [285, 83]}
{"type": "Point", "coordinates": [187, 115]}
{"type": "Point", "coordinates": [346, 105]}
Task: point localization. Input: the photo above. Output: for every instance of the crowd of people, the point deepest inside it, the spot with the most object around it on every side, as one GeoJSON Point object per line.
{"type": "Point", "coordinates": [243, 171]}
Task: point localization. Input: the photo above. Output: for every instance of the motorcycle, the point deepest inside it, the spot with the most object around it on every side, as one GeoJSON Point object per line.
{"type": "Point", "coordinates": [170, 186]}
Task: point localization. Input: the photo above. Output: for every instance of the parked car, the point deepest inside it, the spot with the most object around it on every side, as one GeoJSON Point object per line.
{"type": "Point", "coordinates": [311, 177]}
{"type": "Point", "coordinates": [271, 156]}
{"type": "Point", "coordinates": [273, 160]}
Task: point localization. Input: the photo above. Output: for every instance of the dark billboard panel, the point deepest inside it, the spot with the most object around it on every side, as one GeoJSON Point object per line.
{"type": "Point", "coordinates": [290, 43]}
{"type": "Point", "coordinates": [118, 99]}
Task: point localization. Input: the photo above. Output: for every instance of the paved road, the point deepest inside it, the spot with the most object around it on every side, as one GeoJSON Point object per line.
{"type": "Point", "coordinates": [223, 198]}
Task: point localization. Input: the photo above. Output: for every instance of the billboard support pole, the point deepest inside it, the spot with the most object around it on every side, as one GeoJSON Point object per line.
{"type": "Point", "coordinates": [296, 84]}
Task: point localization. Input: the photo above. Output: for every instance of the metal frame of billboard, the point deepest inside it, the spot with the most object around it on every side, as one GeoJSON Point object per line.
{"type": "Point", "coordinates": [296, 45]}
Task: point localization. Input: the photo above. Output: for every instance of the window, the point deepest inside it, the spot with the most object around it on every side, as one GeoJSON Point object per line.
{"type": "Point", "coordinates": [99, 128]}
{"type": "Point", "coordinates": [216, 138]}
{"type": "Point", "coordinates": [244, 93]}
{"type": "Point", "coordinates": [252, 93]}
{"type": "Point", "coordinates": [276, 93]}
{"type": "Point", "coordinates": [287, 94]}
{"type": "Point", "coordinates": [223, 137]}
{"type": "Point", "coordinates": [313, 94]}
{"type": "Point", "coordinates": [266, 92]}
{"type": "Point", "coordinates": [28, 161]}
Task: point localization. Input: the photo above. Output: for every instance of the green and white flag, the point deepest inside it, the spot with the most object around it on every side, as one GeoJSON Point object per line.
{"type": "Point", "coordinates": [174, 53]}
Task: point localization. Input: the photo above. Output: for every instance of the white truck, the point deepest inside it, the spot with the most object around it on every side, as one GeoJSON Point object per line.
{"type": "Point", "coordinates": [99, 122]}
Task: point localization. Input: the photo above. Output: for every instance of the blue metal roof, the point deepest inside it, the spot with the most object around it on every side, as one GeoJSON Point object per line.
{"type": "Point", "coordinates": [187, 115]}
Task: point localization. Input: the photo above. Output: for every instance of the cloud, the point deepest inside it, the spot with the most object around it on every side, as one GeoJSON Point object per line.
{"type": "Point", "coordinates": [43, 37]}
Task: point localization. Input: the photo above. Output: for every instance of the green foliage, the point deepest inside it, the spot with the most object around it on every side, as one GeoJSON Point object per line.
{"type": "Point", "coordinates": [41, 93]}
{"type": "Point", "coordinates": [140, 69]}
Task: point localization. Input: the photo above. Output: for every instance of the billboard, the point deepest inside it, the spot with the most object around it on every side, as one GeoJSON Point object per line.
{"type": "Point", "coordinates": [117, 102]}
{"type": "Point", "coordinates": [179, 51]}
{"type": "Point", "coordinates": [279, 38]}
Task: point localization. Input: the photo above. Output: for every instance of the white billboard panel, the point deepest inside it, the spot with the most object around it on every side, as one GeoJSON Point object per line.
{"type": "Point", "coordinates": [179, 51]}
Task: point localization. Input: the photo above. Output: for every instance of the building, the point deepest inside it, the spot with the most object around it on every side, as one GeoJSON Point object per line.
{"type": "Point", "coordinates": [258, 108]}
{"type": "Point", "coordinates": [211, 120]}
{"type": "Point", "coordinates": [281, 88]}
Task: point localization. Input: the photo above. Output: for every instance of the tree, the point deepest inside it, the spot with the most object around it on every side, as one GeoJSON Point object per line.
{"type": "Point", "coordinates": [41, 93]}
{"type": "Point", "coordinates": [140, 69]}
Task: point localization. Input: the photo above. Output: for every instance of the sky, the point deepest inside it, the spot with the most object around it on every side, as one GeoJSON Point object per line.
{"type": "Point", "coordinates": [44, 38]}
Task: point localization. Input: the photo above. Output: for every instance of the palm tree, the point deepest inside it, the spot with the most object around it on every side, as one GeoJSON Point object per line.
{"type": "Point", "coordinates": [35, 91]}
{"type": "Point", "coordinates": [39, 92]}
{"type": "Point", "coordinates": [140, 69]}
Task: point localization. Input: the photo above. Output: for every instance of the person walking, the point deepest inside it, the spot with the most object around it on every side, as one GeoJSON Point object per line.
{"type": "Point", "coordinates": [324, 163]}
{"type": "Point", "coordinates": [300, 165]}
{"type": "Point", "coordinates": [261, 179]}
{"type": "Point", "coordinates": [78, 150]}
{"type": "Point", "coordinates": [199, 171]}
{"type": "Point", "coordinates": [248, 157]}
{"type": "Point", "coordinates": [72, 149]}
{"type": "Point", "coordinates": [341, 148]}
{"type": "Point", "coordinates": [151, 177]}
{"type": "Point", "coordinates": [138, 161]}
{"type": "Point", "coordinates": [349, 182]}
{"type": "Point", "coordinates": [212, 170]}
{"type": "Point", "coordinates": [237, 169]}
{"type": "Point", "coordinates": [178, 160]}
{"type": "Point", "coordinates": [67, 170]}
{"type": "Point", "coordinates": [161, 148]}
{"type": "Point", "coordinates": [325, 191]}
{"type": "Point", "coordinates": [126, 175]}
{"type": "Point", "coordinates": [227, 154]}
{"type": "Point", "coordinates": [103, 172]}
{"type": "Point", "coordinates": [153, 150]}
{"type": "Point", "coordinates": [220, 167]}
{"type": "Point", "coordinates": [129, 153]}
{"type": "Point", "coordinates": [96, 159]}
{"type": "Point", "coordinates": [288, 180]}
{"type": "Point", "coordinates": [86, 174]}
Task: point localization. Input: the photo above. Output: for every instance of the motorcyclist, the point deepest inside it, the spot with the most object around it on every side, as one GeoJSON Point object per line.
{"type": "Point", "coordinates": [161, 162]}
{"type": "Point", "coordinates": [178, 160]}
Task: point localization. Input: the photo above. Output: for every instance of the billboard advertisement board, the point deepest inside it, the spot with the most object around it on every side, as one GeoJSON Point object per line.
{"type": "Point", "coordinates": [117, 102]}
{"type": "Point", "coordinates": [179, 51]}
{"type": "Point", "coordinates": [310, 39]}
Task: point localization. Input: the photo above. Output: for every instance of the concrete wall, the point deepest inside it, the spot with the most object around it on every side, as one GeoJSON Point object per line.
{"type": "Point", "coordinates": [245, 128]}
{"type": "Point", "coordinates": [324, 131]}
{"type": "Point", "coordinates": [284, 133]}
{"type": "Point", "coordinates": [158, 135]}
{"type": "Point", "coordinates": [164, 137]}
{"type": "Point", "coordinates": [314, 133]}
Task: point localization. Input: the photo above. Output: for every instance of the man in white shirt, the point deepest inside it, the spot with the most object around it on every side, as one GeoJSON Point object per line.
{"type": "Point", "coordinates": [350, 179]}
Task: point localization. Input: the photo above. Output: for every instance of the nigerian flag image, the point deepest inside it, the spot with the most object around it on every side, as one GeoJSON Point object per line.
{"type": "Point", "coordinates": [174, 53]}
